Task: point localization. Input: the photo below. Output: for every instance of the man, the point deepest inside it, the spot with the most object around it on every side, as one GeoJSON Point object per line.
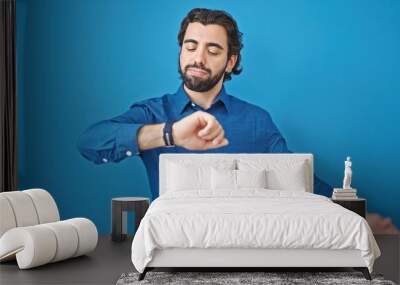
{"type": "Point", "coordinates": [200, 117]}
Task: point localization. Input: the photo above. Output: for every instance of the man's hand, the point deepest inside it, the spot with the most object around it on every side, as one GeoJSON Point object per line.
{"type": "Point", "coordinates": [199, 131]}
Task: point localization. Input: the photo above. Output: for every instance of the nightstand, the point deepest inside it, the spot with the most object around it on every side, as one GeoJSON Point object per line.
{"type": "Point", "coordinates": [358, 205]}
{"type": "Point", "coordinates": [119, 208]}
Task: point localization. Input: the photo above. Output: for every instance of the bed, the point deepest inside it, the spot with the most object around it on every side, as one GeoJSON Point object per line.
{"type": "Point", "coordinates": [244, 211]}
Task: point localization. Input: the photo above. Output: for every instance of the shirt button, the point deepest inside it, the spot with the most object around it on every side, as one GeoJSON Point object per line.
{"type": "Point", "coordinates": [193, 105]}
{"type": "Point", "coordinates": [105, 160]}
{"type": "Point", "coordinates": [128, 153]}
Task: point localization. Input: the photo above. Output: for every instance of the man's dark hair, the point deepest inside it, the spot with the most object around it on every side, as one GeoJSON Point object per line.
{"type": "Point", "coordinates": [222, 18]}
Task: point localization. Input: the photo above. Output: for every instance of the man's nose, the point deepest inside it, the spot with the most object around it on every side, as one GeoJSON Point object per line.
{"type": "Point", "coordinates": [200, 58]}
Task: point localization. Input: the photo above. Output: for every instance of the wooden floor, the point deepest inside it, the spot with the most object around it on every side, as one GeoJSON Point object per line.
{"type": "Point", "coordinates": [102, 266]}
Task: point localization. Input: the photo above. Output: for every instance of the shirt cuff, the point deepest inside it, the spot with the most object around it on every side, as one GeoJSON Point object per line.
{"type": "Point", "coordinates": [126, 139]}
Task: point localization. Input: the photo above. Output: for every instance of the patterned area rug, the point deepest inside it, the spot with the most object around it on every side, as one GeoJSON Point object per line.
{"type": "Point", "coordinates": [229, 278]}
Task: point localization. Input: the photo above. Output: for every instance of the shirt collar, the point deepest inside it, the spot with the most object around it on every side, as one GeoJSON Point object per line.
{"type": "Point", "coordinates": [180, 99]}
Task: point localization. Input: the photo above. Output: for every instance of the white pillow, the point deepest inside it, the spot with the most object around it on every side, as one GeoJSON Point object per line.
{"type": "Point", "coordinates": [281, 174]}
{"type": "Point", "coordinates": [223, 179]}
{"type": "Point", "coordinates": [251, 178]}
{"type": "Point", "coordinates": [237, 179]}
{"type": "Point", "coordinates": [294, 178]}
{"type": "Point", "coordinates": [189, 175]}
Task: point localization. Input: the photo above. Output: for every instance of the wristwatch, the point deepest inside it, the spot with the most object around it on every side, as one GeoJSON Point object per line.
{"type": "Point", "coordinates": [167, 134]}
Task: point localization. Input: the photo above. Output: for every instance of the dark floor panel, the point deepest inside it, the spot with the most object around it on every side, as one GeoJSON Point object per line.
{"type": "Point", "coordinates": [102, 266]}
{"type": "Point", "coordinates": [110, 259]}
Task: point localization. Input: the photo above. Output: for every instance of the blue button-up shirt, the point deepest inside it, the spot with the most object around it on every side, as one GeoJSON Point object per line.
{"type": "Point", "coordinates": [249, 129]}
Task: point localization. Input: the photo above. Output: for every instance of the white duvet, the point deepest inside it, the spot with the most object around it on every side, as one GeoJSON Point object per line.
{"type": "Point", "coordinates": [250, 218]}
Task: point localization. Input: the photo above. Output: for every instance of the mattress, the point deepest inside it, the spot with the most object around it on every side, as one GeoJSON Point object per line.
{"type": "Point", "coordinates": [251, 219]}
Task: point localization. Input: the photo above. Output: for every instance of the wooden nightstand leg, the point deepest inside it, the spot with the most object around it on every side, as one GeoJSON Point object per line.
{"type": "Point", "coordinates": [124, 226]}
{"type": "Point", "coordinates": [116, 232]}
{"type": "Point", "coordinates": [140, 211]}
{"type": "Point", "coordinates": [364, 271]}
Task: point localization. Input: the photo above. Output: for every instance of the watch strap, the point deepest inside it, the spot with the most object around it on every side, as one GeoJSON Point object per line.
{"type": "Point", "coordinates": [167, 133]}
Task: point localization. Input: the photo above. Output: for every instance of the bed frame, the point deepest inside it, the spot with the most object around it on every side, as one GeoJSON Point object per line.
{"type": "Point", "coordinates": [246, 259]}
{"type": "Point", "coordinates": [249, 258]}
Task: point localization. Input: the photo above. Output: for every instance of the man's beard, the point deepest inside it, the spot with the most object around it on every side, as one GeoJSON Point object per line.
{"type": "Point", "coordinates": [198, 84]}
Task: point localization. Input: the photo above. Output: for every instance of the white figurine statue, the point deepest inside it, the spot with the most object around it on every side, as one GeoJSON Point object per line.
{"type": "Point", "coordinates": [347, 174]}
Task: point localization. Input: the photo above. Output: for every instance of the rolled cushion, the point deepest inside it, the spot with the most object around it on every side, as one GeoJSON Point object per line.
{"type": "Point", "coordinates": [26, 208]}
{"type": "Point", "coordinates": [40, 244]}
{"type": "Point", "coordinates": [23, 208]}
{"type": "Point", "coordinates": [7, 218]}
{"type": "Point", "coordinates": [67, 240]}
{"type": "Point", "coordinates": [46, 207]}
{"type": "Point", "coordinates": [87, 234]}
{"type": "Point", "coordinates": [33, 246]}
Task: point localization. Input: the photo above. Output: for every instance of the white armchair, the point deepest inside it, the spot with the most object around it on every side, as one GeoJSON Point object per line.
{"type": "Point", "coordinates": [32, 233]}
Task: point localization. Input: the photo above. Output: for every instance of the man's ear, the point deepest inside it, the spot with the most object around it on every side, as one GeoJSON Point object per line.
{"type": "Point", "coordinates": [231, 62]}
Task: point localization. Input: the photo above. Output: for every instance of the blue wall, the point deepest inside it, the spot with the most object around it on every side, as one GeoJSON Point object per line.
{"type": "Point", "coordinates": [327, 72]}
